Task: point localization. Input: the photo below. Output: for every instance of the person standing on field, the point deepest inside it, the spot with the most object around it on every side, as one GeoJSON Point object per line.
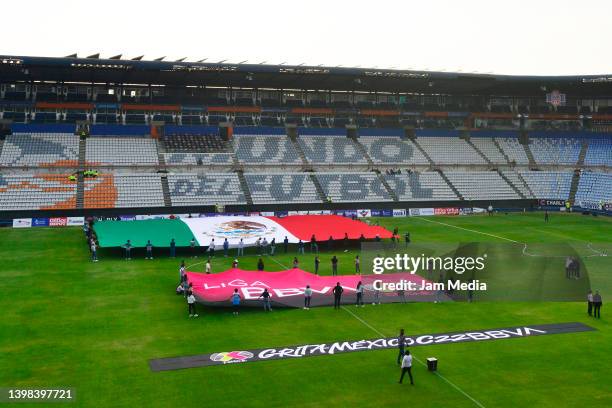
{"type": "Point", "coordinates": [307, 297]}
{"type": "Point", "coordinates": [235, 302]}
{"type": "Point", "coordinates": [334, 263]}
{"type": "Point", "coordinates": [337, 295]}
{"type": "Point", "coordinates": [208, 267]}
{"type": "Point", "coordinates": [172, 248]}
{"type": "Point", "coordinates": [401, 344]}
{"type": "Point", "coordinates": [272, 246]}
{"type": "Point", "coordinates": [191, 300]}
{"type": "Point", "coordinates": [407, 367]}
{"type": "Point", "coordinates": [359, 293]}
{"type": "Point", "coordinates": [266, 300]}
{"type": "Point", "coordinates": [590, 303]}
{"type": "Point", "coordinates": [128, 250]}
{"type": "Point", "coordinates": [149, 250]}
{"type": "Point", "coordinates": [317, 262]}
{"type": "Point", "coordinates": [94, 252]}
{"type": "Point", "coordinates": [240, 250]}
{"type": "Point", "coordinates": [192, 245]}
{"type": "Point", "coordinates": [597, 305]}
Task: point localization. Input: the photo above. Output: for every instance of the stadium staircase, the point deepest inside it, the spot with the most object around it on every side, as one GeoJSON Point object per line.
{"type": "Point", "coordinates": [452, 187]}
{"type": "Point", "coordinates": [525, 184]}
{"type": "Point", "coordinates": [431, 162]}
{"type": "Point", "coordinates": [507, 180]}
{"type": "Point", "coordinates": [583, 151]}
{"type": "Point", "coordinates": [318, 187]}
{"type": "Point", "coordinates": [1, 145]}
{"type": "Point", "coordinates": [82, 149]}
{"type": "Point", "coordinates": [166, 191]}
{"type": "Point", "coordinates": [364, 151]}
{"type": "Point", "coordinates": [387, 186]}
{"type": "Point", "coordinates": [245, 187]}
{"type": "Point", "coordinates": [486, 159]}
{"type": "Point", "coordinates": [161, 149]}
{"type": "Point", "coordinates": [496, 143]}
{"type": "Point", "coordinates": [574, 186]}
{"type": "Point", "coordinates": [576, 177]}
{"type": "Point", "coordinates": [80, 190]}
{"type": "Point", "coordinates": [300, 152]}
{"type": "Point", "coordinates": [532, 162]}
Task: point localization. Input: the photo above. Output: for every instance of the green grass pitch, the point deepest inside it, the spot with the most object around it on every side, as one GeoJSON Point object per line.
{"type": "Point", "coordinates": [67, 322]}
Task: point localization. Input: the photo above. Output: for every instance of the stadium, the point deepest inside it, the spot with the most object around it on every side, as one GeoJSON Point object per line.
{"type": "Point", "coordinates": [139, 196]}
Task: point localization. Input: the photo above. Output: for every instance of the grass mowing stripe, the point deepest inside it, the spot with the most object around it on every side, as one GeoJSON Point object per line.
{"type": "Point", "coordinates": [455, 386]}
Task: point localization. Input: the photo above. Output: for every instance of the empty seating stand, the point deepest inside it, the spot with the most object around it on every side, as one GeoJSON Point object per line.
{"type": "Point", "coordinates": [555, 150]}
{"type": "Point", "coordinates": [123, 191]}
{"type": "Point", "coordinates": [195, 143]}
{"type": "Point", "coordinates": [594, 188]}
{"type": "Point", "coordinates": [425, 186]}
{"type": "Point", "coordinates": [392, 150]}
{"type": "Point", "coordinates": [353, 187]}
{"type": "Point", "coordinates": [40, 149]}
{"type": "Point", "coordinates": [265, 149]}
{"type": "Point", "coordinates": [198, 159]}
{"type": "Point", "coordinates": [551, 185]}
{"type": "Point", "coordinates": [121, 151]}
{"type": "Point", "coordinates": [513, 149]}
{"type": "Point", "coordinates": [282, 188]}
{"type": "Point", "coordinates": [37, 192]}
{"type": "Point", "coordinates": [481, 185]}
{"type": "Point", "coordinates": [331, 150]}
{"type": "Point", "coordinates": [209, 189]}
{"type": "Point", "coordinates": [450, 150]}
{"type": "Point", "coordinates": [487, 146]}
{"type": "Point", "coordinates": [599, 152]}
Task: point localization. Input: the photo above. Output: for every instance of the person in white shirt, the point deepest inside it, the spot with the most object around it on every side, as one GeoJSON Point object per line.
{"type": "Point", "coordinates": [590, 303]}
{"type": "Point", "coordinates": [94, 252]}
{"type": "Point", "coordinates": [191, 303]}
{"type": "Point", "coordinates": [211, 247]}
{"type": "Point", "coordinates": [240, 250]}
{"type": "Point", "coordinates": [407, 367]}
{"type": "Point", "coordinates": [208, 268]}
{"type": "Point", "coordinates": [307, 297]}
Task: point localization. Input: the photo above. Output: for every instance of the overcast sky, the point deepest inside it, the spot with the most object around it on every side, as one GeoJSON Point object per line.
{"type": "Point", "coordinates": [539, 37]}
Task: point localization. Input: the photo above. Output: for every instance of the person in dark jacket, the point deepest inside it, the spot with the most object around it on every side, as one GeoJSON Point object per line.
{"type": "Point", "coordinates": [597, 305]}
{"type": "Point", "coordinates": [337, 295]}
{"type": "Point", "coordinates": [401, 344]}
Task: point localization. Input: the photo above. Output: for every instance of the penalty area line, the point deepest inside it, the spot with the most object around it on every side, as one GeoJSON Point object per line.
{"type": "Point", "coordinates": [449, 382]}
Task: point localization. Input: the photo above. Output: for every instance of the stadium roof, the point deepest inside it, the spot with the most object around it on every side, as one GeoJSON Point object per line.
{"type": "Point", "coordinates": [245, 75]}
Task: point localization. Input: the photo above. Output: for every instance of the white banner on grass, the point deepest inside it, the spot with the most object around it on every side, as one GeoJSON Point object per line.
{"type": "Point", "coordinates": [233, 228]}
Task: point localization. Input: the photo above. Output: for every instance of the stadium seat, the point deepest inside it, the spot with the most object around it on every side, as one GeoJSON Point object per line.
{"type": "Point", "coordinates": [40, 149]}
{"type": "Point", "coordinates": [121, 151]}
{"type": "Point", "coordinates": [209, 189]}
{"type": "Point", "coordinates": [282, 188]}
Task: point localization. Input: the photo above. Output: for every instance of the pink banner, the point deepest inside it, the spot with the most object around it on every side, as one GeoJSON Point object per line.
{"type": "Point", "coordinates": [287, 287]}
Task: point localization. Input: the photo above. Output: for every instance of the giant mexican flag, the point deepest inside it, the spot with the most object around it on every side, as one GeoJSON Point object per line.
{"type": "Point", "coordinates": [249, 228]}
